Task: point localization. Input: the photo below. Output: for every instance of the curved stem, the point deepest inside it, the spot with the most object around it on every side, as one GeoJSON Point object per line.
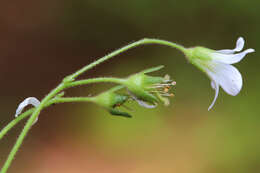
{"type": "Point", "coordinates": [62, 100]}
{"type": "Point", "coordinates": [123, 49]}
{"type": "Point", "coordinates": [22, 116]}
{"type": "Point", "coordinates": [67, 82]}
{"type": "Point", "coordinates": [28, 125]}
{"type": "Point", "coordinates": [15, 121]}
{"type": "Point", "coordinates": [72, 99]}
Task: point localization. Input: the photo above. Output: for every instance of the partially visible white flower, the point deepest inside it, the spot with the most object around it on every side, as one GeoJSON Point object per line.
{"type": "Point", "coordinates": [217, 65]}
{"type": "Point", "coordinates": [28, 101]}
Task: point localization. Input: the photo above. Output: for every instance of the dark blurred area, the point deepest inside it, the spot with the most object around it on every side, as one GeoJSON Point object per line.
{"type": "Point", "coordinates": [43, 41]}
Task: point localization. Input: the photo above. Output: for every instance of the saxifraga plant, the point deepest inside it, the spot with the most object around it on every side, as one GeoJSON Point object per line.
{"type": "Point", "coordinates": [146, 90]}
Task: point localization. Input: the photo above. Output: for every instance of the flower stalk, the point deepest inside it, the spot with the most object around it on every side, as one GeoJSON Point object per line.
{"type": "Point", "coordinates": [217, 65]}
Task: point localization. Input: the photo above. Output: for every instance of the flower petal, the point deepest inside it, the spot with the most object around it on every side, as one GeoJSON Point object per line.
{"type": "Point", "coordinates": [144, 104]}
{"type": "Point", "coordinates": [227, 76]}
{"type": "Point", "coordinates": [30, 100]}
{"type": "Point", "coordinates": [230, 58]}
{"type": "Point", "coordinates": [239, 46]}
{"type": "Point", "coordinates": [215, 86]}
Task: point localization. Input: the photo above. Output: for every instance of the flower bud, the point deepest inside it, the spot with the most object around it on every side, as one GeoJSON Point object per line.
{"type": "Point", "coordinates": [149, 90]}
{"type": "Point", "coordinates": [110, 101]}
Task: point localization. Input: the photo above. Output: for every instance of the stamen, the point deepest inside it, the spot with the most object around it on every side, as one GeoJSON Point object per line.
{"type": "Point", "coordinates": [162, 85]}
{"type": "Point", "coordinates": [174, 83]}
{"type": "Point", "coordinates": [168, 94]}
{"type": "Point", "coordinates": [157, 86]}
{"type": "Point", "coordinates": [166, 84]}
{"type": "Point", "coordinates": [167, 77]}
{"type": "Point", "coordinates": [160, 92]}
{"type": "Point", "coordinates": [166, 89]}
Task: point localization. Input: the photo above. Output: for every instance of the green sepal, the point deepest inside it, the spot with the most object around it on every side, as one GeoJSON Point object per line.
{"type": "Point", "coordinates": [199, 56]}
{"type": "Point", "coordinates": [109, 99]}
{"type": "Point", "coordinates": [162, 99]}
{"type": "Point", "coordinates": [147, 97]}
{"type": "Point", "coordinates": [149, 80]}
{"type": "Point", "coordinates": [141, 84]}
{"type": "Point", "coordinates": [153, 69]}
{"type": "Point", "coordinates": [142, 94]}
{"type": "Point", "coordinates": [116, 112]}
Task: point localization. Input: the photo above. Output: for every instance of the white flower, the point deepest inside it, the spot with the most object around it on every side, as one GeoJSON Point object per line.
{"type": "Point", "coordinates": [30, 100]}
{"type": "Point", "coordinates": [217, 65]}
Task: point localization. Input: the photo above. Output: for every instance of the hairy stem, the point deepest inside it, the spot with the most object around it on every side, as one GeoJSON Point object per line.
{"type": "Point", "coordinates": [28, 125]}
{"type": "Point", "coordinates": [61, 100]}
{"type": "Point", "coordinates": [22, 116]}
{"type": "Point", "coordinates": [68, 82]}
{"type": "Point", "coordinates": [72, 99]}
{"type": "Point", "coordinates": [95, 80]}
{"type": "Point", "coordinates": [123, 49]}
{"type": "Point", "coordinates": [14, 122]}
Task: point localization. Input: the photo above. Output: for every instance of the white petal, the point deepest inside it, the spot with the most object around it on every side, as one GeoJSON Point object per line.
{"type": "Point", "coordinates": [30, 100]}
{"type": "Point", "coordinates": [146, 105]}
{"type": "Point", "coordinates": [239, 46]}
{"type": "Point", "coordinates": [225, 51]}
{"type": "Point", "coordinates": [227, 76]}
{"type": "Point", "coordinates": [215, 86]}
{"type": "Point", "coordinates": [230, 58]}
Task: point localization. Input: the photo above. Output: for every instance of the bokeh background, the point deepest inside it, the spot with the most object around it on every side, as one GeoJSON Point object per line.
{"type": "Point", "coordinates": [43, 41]}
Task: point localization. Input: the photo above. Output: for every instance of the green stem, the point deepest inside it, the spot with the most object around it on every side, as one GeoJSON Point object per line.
{"type": "Point", "coordinates": [14, 122]}
{"type": "Point", "coordinates": [123, 49]}
{"type": "Point", "coordinates": [28, 125]}
{"type": "Point", "coordinates": [62, 100]}
{"type": "Point", "coordinates": [67, 82]}
{"type": "Point", "coordinates": [95, 80]}
{"type": "Point", "coordinates": [22, 116]}
{"type": "Point", "coordinates": [72, 99]}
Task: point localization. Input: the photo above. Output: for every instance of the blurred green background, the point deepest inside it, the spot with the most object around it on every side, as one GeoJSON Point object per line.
{"type": "Point", "coordinates": [42, 41]}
